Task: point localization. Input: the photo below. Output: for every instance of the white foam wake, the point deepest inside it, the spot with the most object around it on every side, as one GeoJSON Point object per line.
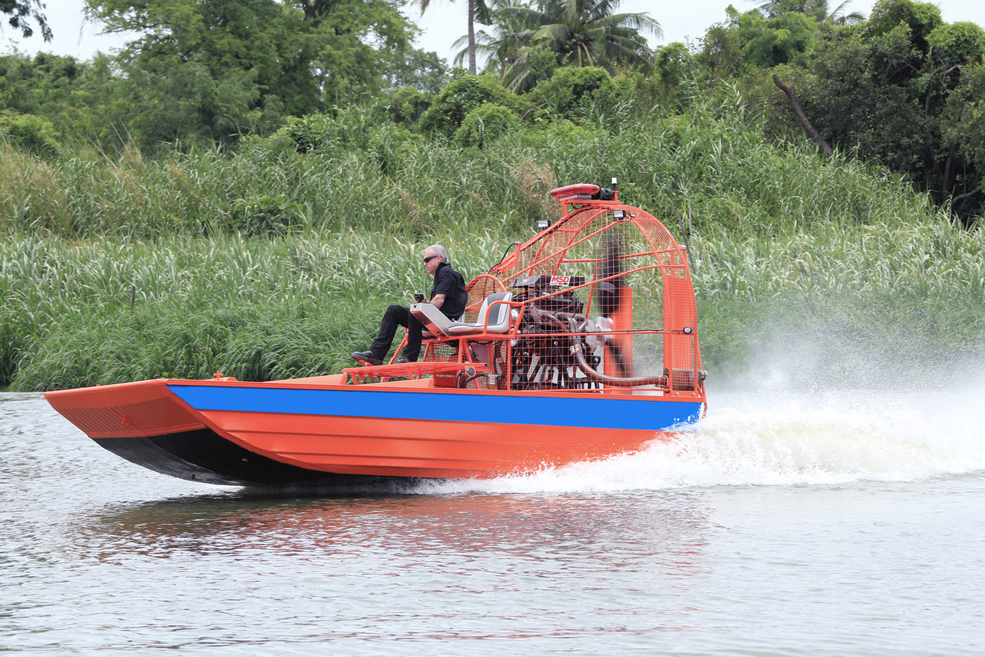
{"type": "Point", "coordinates": [791, 439]}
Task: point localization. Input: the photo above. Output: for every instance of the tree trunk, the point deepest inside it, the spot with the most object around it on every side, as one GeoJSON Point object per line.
{"type": "Point", "coordinates": [472, 37]}
{"type": "Point", "coordinates": [801, 117]}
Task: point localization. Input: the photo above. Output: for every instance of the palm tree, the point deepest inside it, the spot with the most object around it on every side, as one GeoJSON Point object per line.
{"type": "Point", "coordinates": [816, 8]}
{"type": "Point", "coordinates": [502, 45]}
{"type": "Point", "coordinates": [477, 11]}
{"type": "Point", "coordinates": [582, 33]}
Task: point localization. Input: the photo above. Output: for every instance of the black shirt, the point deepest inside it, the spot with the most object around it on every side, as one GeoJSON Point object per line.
{"type": "Point", "coordinates": [450, 283]}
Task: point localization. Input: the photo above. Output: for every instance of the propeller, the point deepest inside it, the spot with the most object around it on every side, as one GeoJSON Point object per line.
{"type": "Point", "coordinates": [611, 271]}
{"type": "Point", "coordinates": [610, 297]}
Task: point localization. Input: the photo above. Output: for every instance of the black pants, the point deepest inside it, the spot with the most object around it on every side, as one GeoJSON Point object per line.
{"type": "Point", "coordinates": [393, 317]}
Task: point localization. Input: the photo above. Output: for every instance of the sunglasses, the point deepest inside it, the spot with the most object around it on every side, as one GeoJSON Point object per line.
{"type": "Point", "coordinates": [429, 259]}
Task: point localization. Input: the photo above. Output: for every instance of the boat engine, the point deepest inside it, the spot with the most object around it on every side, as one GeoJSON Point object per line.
{"type": "Point", "coordinates": [556, 344]}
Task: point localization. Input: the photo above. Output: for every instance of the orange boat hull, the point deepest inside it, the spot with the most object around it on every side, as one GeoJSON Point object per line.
{"type": "Point", "coordinates": [319, 432]}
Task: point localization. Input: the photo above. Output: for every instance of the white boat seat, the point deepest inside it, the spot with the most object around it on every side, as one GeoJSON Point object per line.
{"type": "Point", "coordinates": [434, 321]}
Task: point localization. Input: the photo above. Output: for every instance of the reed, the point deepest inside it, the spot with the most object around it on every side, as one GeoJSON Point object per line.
{"type": "Point", "coordinates": [277, 308]}
{"type": "Point", "coordinates": [382, 178]}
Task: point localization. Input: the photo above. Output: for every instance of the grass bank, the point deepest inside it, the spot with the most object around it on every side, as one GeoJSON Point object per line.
{"type": "Point", "coordinates": [849, 303]}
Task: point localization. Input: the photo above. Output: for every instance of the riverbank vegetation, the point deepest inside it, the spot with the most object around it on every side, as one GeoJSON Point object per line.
{"type": "Point", "coordinates": [174, 242]}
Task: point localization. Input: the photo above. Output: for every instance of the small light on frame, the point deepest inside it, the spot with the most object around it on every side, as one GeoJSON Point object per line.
{"type": "Point", "coordinates": [543, 224]}
{"type": "Point", "coordinates": [618, 215]}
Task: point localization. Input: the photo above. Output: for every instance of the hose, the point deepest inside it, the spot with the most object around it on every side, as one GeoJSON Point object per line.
{"type": "Point", "coordinates": [598, 377]}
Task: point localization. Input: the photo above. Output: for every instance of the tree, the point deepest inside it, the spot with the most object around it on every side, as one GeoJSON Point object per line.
{"type": "Point", "coordinates": [302, 54]}
{"type": "Point", "coordinates": [904, 90]}
{"type": "Point", "coordinates": [19, 12]}
{"type": "Point", "coordinates": [782, 40]}
{"type": "Point", "coordinates": [478, 10]}
{"type": "Point", "coordinates": [502, 45]}
{"type": "Point", "coordinates": [582, 33]}
{"type": "Point", "coordinates": [424, 71]}
{"type": "Point", "coordinates": [587, 33]}
{"type": "Point", "coordinates": [817, 9]}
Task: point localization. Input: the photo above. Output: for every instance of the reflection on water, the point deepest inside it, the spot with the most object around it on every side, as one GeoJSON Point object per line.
{"type": "Point", "coordinates": [630, 530]}
{"type": "Point", "coordinates": [410, 567]}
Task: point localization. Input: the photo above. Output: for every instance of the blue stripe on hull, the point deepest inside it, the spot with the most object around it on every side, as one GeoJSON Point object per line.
{"type": "Point", "coordinates": [597, 412]}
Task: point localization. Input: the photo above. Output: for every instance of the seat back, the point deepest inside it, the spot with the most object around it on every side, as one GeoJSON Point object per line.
{"type": "Point", "coordinates": [499, 315]}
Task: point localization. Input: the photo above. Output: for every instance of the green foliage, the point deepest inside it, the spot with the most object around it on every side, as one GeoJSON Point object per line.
{"type": "Point", "coordinates": [674, 64]}
{"type": "Point", "coordinates": [486, 124]}
{"type": "Point", "coordinates": [271, 309]}
{"type": "Point", "coordinates": [423, 71]}
{"type": "Point", "coordinates": [345, 129]}
{"type": "Point", "coordinates": [187, 104]}
{"type": "Point", "coordinates": [785, 39]}
{"type": "Point", "coordinates": [921, 18]}
{"type": "Point", "coordinates": [20, 10]}
{"type": "Point", "coordinates": [785, 35]}
{"type": "Point", "coordinates": [392, 146]}
{"type": "Point", "coordinates": [32, 134]}
{"type": "Point", "coordinates": [265, 245]}
{"type": "Point", "coordinates": [459, 98]}
{"type": "Point", "coordinates": [305, 55]}
{"type": "Point", "coordinates": [897, 301]}
{"type": "Point", "coordinates": [405, 106]}
{"type": "Point", "coordinates": [559, 135]}
{"type": "Point", "coordinates": [721, 48]}
{"type": "Point", "coordinates": [957, 43]}
{"type": "Point", "coordinates": [266, 216]}
{"type": "Point", "coordinates": [880, 89]}
{"type": "Point", "coordinates": [570, 91]}
{"type": "Point", "coordinates": [816, 9]}
{"type": "Point", "coordinates": [963, 120]}
{"type": "Point", "coordinates": [531, 66]}
{"type": "Point", "coordinates": [887, 95]}
{"type": "Point", "coordinates": [785, 243]}
{"type": "Point", "coordinates": [578, 32]}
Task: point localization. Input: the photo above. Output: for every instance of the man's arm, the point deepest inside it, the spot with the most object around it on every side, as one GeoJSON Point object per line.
{"type": "Point", "coordinates": [438, 300]}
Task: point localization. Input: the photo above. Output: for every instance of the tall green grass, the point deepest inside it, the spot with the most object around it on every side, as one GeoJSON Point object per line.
{"type": "Point", "coordinates": [869, 305]}
{"type": "Point", "coordinates": [268, 309]}
{"type": "Point", "coordinates": [382, 178]}
{"type": "Point", "coordinates": [254, 309]}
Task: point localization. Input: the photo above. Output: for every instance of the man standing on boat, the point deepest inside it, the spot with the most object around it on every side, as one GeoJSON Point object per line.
{"type": "Point", "coordinates": [448, 294]}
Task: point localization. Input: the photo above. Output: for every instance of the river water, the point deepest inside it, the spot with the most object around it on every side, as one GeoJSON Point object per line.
{"type": "Point", "coordinates": [795, 524]}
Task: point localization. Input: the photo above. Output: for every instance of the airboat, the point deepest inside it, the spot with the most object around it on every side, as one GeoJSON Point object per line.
{"type": "Point", "coordinates": [580, 344]}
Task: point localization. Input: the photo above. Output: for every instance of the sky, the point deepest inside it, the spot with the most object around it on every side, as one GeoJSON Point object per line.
{"type": "Point", "coordinates": [443, 23]}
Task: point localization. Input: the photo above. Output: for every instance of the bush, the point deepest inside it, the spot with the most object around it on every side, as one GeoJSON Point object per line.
{"type": "Point", "coordinates": [324, 132]}
{"type": "Point", "coordinates": [921, 17]}
{"type": "Point", "coordinates": [390, 145]}
{"type": "Point", "coordinates": [570, 91]}
{"type": "Point", "coordinates": [486, 124]}
{"type": "Point", "coordinates": [266, 216]}
{"type": "Point", "coordinates": [560, 133]}
{"type": "Point", "coordinates": [405, 106]}
{"type": "Point", "coordinates": [29, 133]}
{"type": "Point", "coordinates": [453, 104]}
